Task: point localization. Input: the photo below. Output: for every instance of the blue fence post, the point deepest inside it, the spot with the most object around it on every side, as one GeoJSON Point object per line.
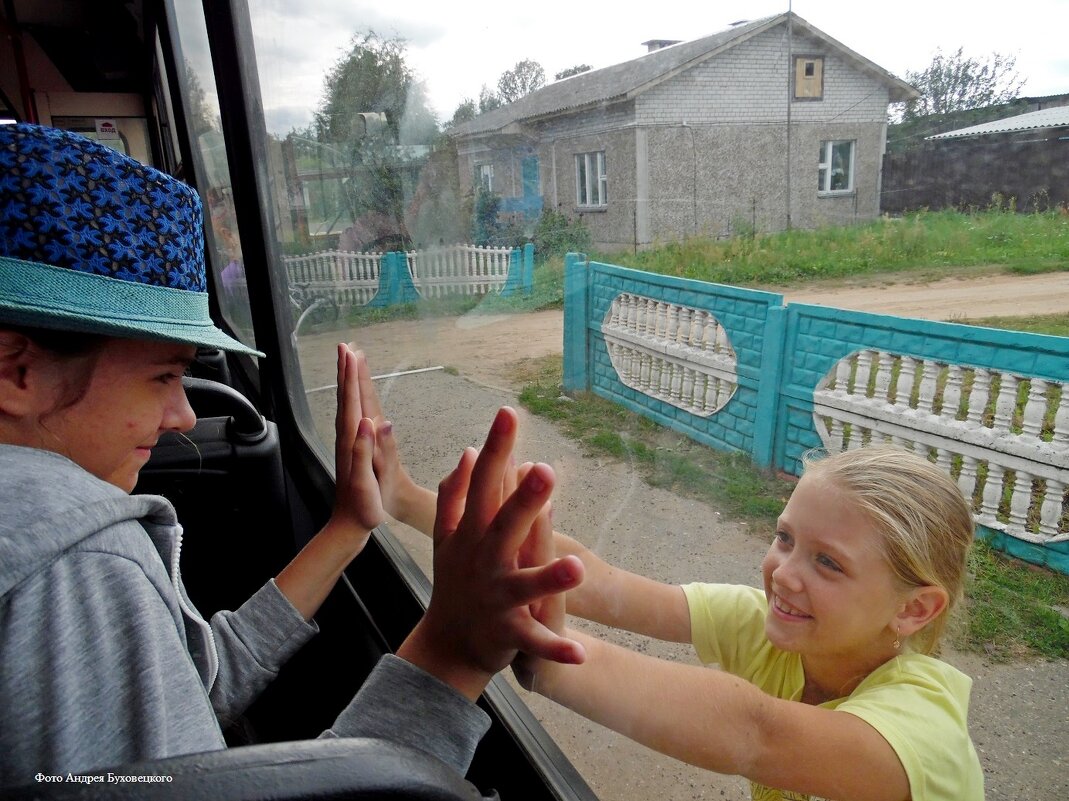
{"type": "Point", "coordinates": [513, 279]}
{"type": "Point", "coordinates": [382, 295]}
{"type": "Point", "coordinates": [576, 324]}
{"type": "Point", "coordinates": [395, 284]}
{"type": "Point", "coordinates": [771, 375]}
{"type": "Point", "coordinates": [404, 290]}
{"type": "Point", "coordinates": [528, 268]}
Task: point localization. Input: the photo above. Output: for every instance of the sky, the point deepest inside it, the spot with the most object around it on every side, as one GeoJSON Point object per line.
{"type": "Point", "coordinates": [457, 47]}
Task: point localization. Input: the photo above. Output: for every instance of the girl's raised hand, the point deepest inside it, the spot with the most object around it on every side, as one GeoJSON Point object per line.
{"type": "Point", "coordinates": [402, 498]}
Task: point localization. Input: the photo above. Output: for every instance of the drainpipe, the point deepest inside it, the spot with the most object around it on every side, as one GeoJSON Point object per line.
{"type": "Point", "coordinates": [790, 92]}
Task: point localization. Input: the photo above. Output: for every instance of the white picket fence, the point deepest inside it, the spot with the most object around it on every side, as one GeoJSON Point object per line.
{"type": "Point", "coordinates": [459, 269]}
{"type": "Point", "coordinates": [352, 279]}
{"type": "Point", "coordinates": [1004, 437]}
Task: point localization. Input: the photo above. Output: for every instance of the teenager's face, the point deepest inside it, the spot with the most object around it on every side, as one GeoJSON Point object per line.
{"type": "Point", "coordinates": [134, 394]}
{"type": "Point", "coordinates": [830, 590]}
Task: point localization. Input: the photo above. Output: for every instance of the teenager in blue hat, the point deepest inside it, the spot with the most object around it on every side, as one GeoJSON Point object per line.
{"type": "Point", "coordinates": [103, 658]}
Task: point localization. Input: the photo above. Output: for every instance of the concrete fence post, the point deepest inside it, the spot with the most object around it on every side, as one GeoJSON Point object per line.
{"type": "Point", "coordinates": [577, 376]}
{"type": "Point", "coordinates": [528, 268]}
{"type": "Point", "coordinates": [768, 389]}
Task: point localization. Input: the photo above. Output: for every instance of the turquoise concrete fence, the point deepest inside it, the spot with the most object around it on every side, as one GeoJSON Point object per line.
{"type": "Point", "coordinates": [737, 370]}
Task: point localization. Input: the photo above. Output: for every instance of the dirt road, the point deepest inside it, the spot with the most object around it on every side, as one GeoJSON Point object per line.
{"type": "Point", "coordinates": [1020, 714]}
{"type": "Point", "coordinates": [485, 347]}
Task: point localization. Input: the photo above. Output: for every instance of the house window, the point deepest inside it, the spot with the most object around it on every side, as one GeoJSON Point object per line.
{"type": "Point", "coordinates": [484, 176]}
{"type": "Point", "coordinates": [590, 181]}
{"type": "Point", "coordinates": [809, 77]}
{"type": "Point", "coordinates": [835, 171]}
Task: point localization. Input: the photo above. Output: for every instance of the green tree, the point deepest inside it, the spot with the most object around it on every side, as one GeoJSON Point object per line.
{"type": "Point", "coordinates": [488, 100]}
{"type": "Point", "coordinates": [521, 80]}
{"type": "Point", "coordinates": [568, 73]}
{"type": "Point", "coordinates": [372, 103]}
{"type": "Point", "coordinates": [465, 111]}
{"type": "Point", "coordinates": [373, 77]}
{"type": "Point", "coordinates": [958, 83]}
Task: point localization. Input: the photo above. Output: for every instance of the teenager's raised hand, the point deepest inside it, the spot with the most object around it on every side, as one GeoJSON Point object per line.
{"type": "Point", "coordinates": [357, 499]}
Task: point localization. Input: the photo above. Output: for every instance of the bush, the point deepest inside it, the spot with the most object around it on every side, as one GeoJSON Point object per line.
{"type": "Point", "coordinates": [485, 225]}
{"type": "Point", "coordinates": [555, 235]}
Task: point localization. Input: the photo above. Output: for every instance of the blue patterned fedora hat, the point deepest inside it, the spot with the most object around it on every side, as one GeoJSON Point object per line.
{"type": "Point", "coordinates": [92, 241]}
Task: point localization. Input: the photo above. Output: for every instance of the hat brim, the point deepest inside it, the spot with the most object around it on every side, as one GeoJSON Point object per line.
{"type": "Point", "coordinates": [44, 296]}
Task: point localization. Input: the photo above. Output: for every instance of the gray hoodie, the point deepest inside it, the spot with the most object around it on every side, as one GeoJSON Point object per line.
{"type": "Point", "coordinates": [104, 659]}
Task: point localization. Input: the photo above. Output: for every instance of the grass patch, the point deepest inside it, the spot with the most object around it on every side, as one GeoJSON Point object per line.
{"type": "Point", "coordinates": [923, 241]}
{"type": "Point", "coordinates": [664, 458]}
{"type": "Point", "coordinates": [1053, 324]}
{"type": "Point", "coordinates": [1012, 609]}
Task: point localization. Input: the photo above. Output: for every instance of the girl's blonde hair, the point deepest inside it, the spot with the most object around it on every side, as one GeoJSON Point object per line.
{"type": "Point", "coordinates": [926, 524]}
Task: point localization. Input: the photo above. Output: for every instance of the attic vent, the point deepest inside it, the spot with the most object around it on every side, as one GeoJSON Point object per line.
{"type": "Point", "coordinates": [657, 44]}
{"type": "Point", "coordinates": [738, 22]}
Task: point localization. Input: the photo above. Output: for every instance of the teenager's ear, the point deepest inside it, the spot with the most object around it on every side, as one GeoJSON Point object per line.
{"type": "Point", "coordinates": [17, 387]}
{"type": "Point", "coordinates": [923, 606]}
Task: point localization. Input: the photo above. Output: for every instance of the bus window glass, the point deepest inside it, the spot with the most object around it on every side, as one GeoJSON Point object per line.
{"type": "Point", "coordinates": [428, 175]}
{"type": "Point", "coordinates": [197, 85]}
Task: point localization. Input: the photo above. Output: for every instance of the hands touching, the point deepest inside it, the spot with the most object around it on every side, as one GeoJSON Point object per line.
{"type": "Point", "coordinates": [402, 498]}
{"type": "Point", "coordinates": [495, 578]}
{"type": "Point", "coordinates": [490, 576]}
{"type": "Point", "coordinates": [357, 501]}
{"type": "Point", "coordinates": [309, 578]}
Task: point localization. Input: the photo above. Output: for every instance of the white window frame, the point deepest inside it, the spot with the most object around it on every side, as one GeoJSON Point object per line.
{"type": "Point", "coordinates": [484, 174]}
{"type": "Point", "coordinates": [591, 181]}
{"type": "Point", "coordinates": [825, 167]}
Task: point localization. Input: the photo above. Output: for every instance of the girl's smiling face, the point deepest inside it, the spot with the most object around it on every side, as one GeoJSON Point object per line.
{"type": "Point", "coordinates": [134, 394]}
{"type": "Point", "coordinates": [831, 592]}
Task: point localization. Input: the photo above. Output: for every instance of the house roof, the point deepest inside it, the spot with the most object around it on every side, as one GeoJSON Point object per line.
{"type": "Point", "coordinates": [628, 79]}
{"type": "Point", "coordinates": [1057, 117]}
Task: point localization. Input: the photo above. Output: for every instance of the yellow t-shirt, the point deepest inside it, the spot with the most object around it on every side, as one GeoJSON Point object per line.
{"type": "Point", "coordinates": [918, 704]}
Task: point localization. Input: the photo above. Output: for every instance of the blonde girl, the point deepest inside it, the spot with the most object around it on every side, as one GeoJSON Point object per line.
{"type": "Point", "coordinates": [828, 687]}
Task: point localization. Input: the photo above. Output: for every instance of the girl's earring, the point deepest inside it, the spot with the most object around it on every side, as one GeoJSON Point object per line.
{"type": "Point", "coordinates": [896, 644]}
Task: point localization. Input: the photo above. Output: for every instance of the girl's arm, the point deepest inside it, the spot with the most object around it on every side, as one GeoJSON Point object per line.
{"type": "Point", "coordinates": [608, 595]}
{"type": "Point", "coordinates": [718, 721]}
{"type": "Point", "coordinates": [625, 600]}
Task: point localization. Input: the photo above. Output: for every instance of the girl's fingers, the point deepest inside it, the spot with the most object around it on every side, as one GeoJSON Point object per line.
{"type": "Point", "coordinates": [512, 524]}
{"type": "Point", "coordinates": [386, 455]}
{"type": "Point", "coordinates": [539, 642]}
{"type": "Point", "coordinates": [363, 452]}
{"type": "Point", "coordinates": [531, 584]}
